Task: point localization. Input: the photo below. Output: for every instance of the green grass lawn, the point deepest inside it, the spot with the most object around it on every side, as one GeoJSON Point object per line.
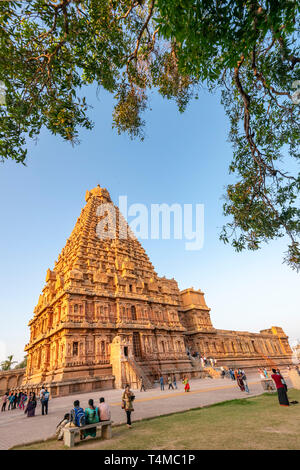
{"type": "Point", "coordinates": [253, 423]}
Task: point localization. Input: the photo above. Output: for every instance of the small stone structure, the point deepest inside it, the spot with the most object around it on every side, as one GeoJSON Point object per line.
{"type": "Point", "coordinates": [105, 317]}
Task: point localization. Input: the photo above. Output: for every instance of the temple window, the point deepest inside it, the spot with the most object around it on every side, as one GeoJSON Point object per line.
{"type": "Point", "coordinates": [130, 287]}
{"type": "Point", "coordinates": [133, 312]}
{"type": "Point", "coordinates": [75, 349]}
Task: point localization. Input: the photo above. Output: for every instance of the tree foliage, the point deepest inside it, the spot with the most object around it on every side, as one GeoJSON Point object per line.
{"type": "Point", "coordinates": [8, 363]}
{"type": "Point", "coordinates": [22, 364]}
{"type": "Point", "coordinates": [246, 49]}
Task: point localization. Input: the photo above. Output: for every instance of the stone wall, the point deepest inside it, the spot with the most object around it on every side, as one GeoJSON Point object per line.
{"type": "Point", "coordinates": [11, 380]}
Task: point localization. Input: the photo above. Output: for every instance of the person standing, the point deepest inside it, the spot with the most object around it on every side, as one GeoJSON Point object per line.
{"type": "Point", "coordinates": [170, 383]}
{"type": "Point", "coordinates": [4, 401]}
{"type": "Point", "coordinates": [282, 380]}
{"type": "Point", "coordinates": [41, 395]}
{"type": "Point", "coordinates": [104, 411]}
{"type": "Point", "coordinates": [162, 384]}
{"type": "Point", "coordinates": [240, 381]}
{"type": "Point", "coordinates": [186, 384]}
{"type": "Point", "coordinates": [31, 406]}
{"type": "Point", "coordinates": [22, 402]}
{"type": "Point", "coordinates": [127, 399]}
{"type": "Point", "coordinates": [45, 402]}
{"type": "Point", "coordinates": [11, 401]}
{"type": "Point", "coordinates": [281, 391]}
{"type": "Point", "coordinates": [174, 382]}
{"type": "Point", "coordinates": [142, 384]}
{"type": "Point", "coordinates": [244, 379]}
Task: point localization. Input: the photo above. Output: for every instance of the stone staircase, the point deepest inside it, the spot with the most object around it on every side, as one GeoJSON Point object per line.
{"type": "Point", "coordinates": [213, 372]}
{"type": "Point", "coordinates": [139, 372]}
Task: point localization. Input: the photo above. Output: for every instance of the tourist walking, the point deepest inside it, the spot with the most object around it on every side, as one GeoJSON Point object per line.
{"type": "Point", "coordinates": [240, 381]}
{"type": "Point", "coordinates": [18, 399]}
{"type": "Point", "coordinates": [31, 406]}
{"type": "Point", "coordinates": [4, 401]}
{"type": "Point", "coordinates": [45, 402]}
{"type": "Point", "coordinates": [162, 384]}
{"type": "Point", "coordinates": [174, 382]}
{"type": "Point", "coordinates": [244, 379]}
{"type": "Point", "coordinates": [23, 401]}
{"type": "Point", "coordinates": [186, 384]}
{"type": "Point", "coordinates": [11, 400]}
{"type": "Point", "coordinates": [281, 391]}
{"type": "Point", "coordinates": [104, 411]}
{"type": "Point", "coordinates": [142, 387]}
{"type": "Point", "coordinates": [91, 417]}
{"type": "Point", "coordinates": [170, 383]}
{"type": "Point", "coordinates": [127, 399]}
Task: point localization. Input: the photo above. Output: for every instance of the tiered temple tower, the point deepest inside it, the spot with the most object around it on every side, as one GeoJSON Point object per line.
{"type": "Point", "coordinates": [104, 306]}
{"type": "Point", "coordinates": [105, 318]}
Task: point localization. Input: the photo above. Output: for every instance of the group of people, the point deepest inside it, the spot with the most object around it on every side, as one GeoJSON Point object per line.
{"type": "Point", "coordinates": [210, 361]}
{"type": "Point", "coordinates": [13, 400]}
{"type": "Point", "coordinates": [172, 383]}
{"type": "Point", "coordinates": [25, 402]}
{"type": "Point", "coordinates": [239, 376]}
{"type": "Point", "coordinates": [78, 417]}
{"type": "Point", "coordinates": [263, 373]}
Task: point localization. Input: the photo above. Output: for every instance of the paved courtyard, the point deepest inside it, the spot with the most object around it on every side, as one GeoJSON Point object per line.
{"type": "Point", "coordinates": [16, 428]}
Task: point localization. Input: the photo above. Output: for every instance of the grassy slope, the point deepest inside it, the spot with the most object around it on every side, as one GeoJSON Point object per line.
{"type": "Point", "coordinates": [253, 423]}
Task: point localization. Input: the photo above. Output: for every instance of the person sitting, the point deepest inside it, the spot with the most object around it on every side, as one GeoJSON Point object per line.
{"type": "Point", "coordinates": [91, 417]}
{"type": "Point", "coordinates": [61, 427]}
{"type": "Point", "coordinates": [104, 411]}
{"type": "Point", "coordinates": [77, 416]}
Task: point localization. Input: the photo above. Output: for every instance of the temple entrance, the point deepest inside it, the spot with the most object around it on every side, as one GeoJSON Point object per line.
{"type": "Point", "coordinates": [136, 340]}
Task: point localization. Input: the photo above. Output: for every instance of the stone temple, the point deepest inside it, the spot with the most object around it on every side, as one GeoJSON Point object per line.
{"type": "Point", "coordinates": [105, 318]}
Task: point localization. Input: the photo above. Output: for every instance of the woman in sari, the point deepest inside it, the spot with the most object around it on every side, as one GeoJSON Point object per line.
{"type": "Point", "coordinates": [281, 389]}
{"type": "Point", "coordinates": [91, 417]}
{"type": "Point", "coordinates": [127, 399]}
{"type": "Point", "coordinates": [186, 385]}
{"type": "Point", "coordinates": [239, 379]}
{"type": "Point", "coordinates": [31, 406]}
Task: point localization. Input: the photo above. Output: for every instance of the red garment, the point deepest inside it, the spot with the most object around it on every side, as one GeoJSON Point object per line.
{"type": "Point", "coordinates": [277, 380]}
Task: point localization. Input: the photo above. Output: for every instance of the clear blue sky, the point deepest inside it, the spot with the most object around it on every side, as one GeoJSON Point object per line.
{"type": "Point", "coordinates": [184, 159]}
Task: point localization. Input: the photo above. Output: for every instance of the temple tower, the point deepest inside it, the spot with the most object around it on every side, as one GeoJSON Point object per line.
{"type": "Point", "coordinates": [103, 286]}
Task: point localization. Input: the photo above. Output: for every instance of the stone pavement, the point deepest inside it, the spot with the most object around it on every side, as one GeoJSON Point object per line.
{"type": "Point", "coordinates": [16, 428]}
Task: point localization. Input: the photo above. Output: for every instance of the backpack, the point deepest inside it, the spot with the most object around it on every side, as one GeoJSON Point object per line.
{"type": "Point", "coordinates": [46, 396]}
{"type": "Point", "coordinates": [79, 417]}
